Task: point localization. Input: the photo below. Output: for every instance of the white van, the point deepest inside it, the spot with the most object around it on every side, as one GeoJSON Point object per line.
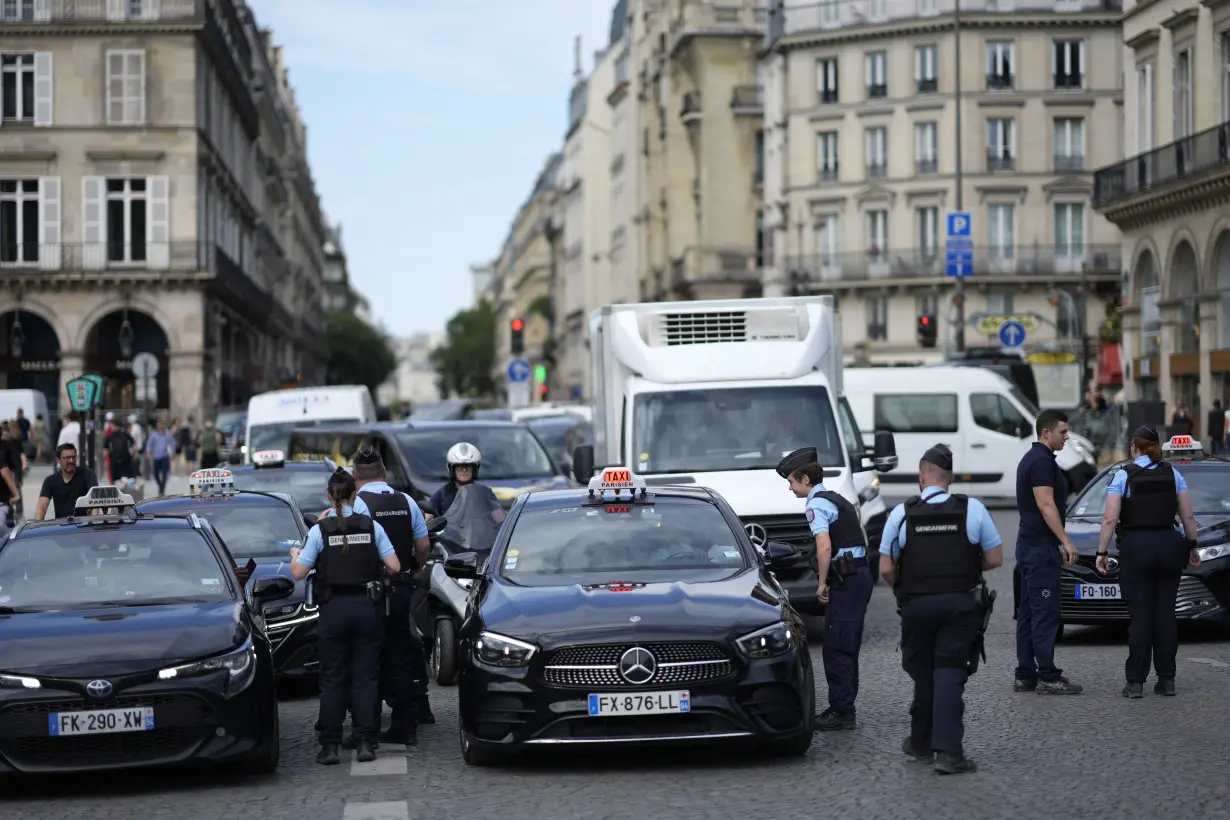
{"type": "Point", "coordinates": [33, 404]}
{"type": "Point", "coordinates": [984, 418]}
{"type": "Point", "coordinates": [272, 416]}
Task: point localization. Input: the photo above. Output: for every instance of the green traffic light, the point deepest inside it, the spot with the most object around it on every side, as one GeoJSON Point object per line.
{"type": "Point", "coordinates": [540, 372]}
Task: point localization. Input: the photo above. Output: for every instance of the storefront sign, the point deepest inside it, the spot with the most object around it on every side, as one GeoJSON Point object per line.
{"type": "Point", "coordinates": [29, 366]}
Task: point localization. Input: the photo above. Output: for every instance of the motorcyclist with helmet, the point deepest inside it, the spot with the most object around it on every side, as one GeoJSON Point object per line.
{"type": "Point", "coordinates": [463, 461]}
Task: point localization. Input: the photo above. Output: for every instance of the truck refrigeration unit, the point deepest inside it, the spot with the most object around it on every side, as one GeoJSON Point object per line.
{"type": "Point", "coordinates": [714, 393]}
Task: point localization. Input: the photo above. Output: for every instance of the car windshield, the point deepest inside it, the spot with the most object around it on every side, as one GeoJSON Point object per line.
{"type": "Point", "coordinates": [1023, 400]}
{"type": "Point", "coordinates": [439, 411]}
{"type": "Point", "coordinates": [474, 519]}
{"type": "Point", "coordinates": [1207, 487]}
{"type": "Point", "coordinates": [508, 452]}
{"type": "Point", "coordinates": [307, 487]}
{"type": "Point", "coordinates": [670, 540]}
{"type": "Point", "coordinates": [110, 566]}
{"type": "Point", "coordinates": [249, 530]}
{"type": "Point", "coordinates": [559, 439]}
{"type": "Point", "coordinates": [277, 436]}
{"type": "Point", "coordinates": [736, 429]}
{"type": "Point", "coordinates": [230, 422]}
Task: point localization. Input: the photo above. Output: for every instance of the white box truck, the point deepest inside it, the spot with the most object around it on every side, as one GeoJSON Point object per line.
{"type": "Point", "coordinates": [714, 393]}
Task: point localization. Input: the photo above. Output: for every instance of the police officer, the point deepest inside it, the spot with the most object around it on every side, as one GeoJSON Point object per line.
{"type": "Point", "coordinates": [952, 540]}
{"type": "Point", "coordinates": [844, 581]}
{"type": "Point", "coordinates": [350, 553]}
{"type": "Point", "coordinates": [1143, 501]}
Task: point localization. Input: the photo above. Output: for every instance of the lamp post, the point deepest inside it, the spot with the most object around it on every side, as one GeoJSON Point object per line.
{"type": "Point", "coordinates": [959, 294]}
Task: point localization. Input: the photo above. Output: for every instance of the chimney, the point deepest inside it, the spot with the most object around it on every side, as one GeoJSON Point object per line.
{"type": "Point", "coordinates": [577, 70]}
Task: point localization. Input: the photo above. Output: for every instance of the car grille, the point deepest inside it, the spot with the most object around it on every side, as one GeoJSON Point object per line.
{"type": "Point", "coordinates": [1194, 598]}
{"type": "Point", "coordinates": [181, 723]}
{"type": "Point", "coordinates": [792, 529]}
{"type": "Point", "coordinates": [598, 666]}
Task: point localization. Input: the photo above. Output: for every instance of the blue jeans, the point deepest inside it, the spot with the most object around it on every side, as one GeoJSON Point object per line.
{"type": "Point", "coordinates": [1037, 617]}
{"type": "Point", "coordinates": [162, 470]}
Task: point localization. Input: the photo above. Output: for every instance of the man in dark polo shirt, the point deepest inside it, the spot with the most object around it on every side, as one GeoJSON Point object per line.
{"type": "Point", "coordinates": [64, 486]}
{"type": "Point", "coordinates": [1042, 547]}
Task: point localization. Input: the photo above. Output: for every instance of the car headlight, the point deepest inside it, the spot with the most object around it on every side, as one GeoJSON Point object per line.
{"type": "Point", "coordinates": [869, 492]}
{"type": "Point", "coordinates": [290, 615]}
{"type": "Point", "coordinates": [767, 642]}
{"type": "Point", "coordinates": [501, 650]}
{"type": "Point", "coordinates": [239, 663]}
{"type": "Point", "coordinates": [465, 583]}
{"type": "Point", "coordinates": [19, 682]}
{"type": "Point", "coordinates": [1216, 551]}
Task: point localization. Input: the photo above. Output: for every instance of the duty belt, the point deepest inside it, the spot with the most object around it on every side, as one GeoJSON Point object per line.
{"type": "Point", "coordinates": [403, 579]}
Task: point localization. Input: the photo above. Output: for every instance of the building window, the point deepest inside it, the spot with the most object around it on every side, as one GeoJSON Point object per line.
{"type": "Point", "coordinates": [1070, 230]}
{"type": "Point", "coordinates": [758, 174]}
{"type": "Point", "coordinates": [826, 80]}
{"type": "Point", "coordinates": [1068, 67]}
{"type": "Point", "coordinates": [760, 240]}
{"type": "Point", "coordinates": [877, 236]}
{"type": "Point", "coordinates": [1000, 304]}
{"type": "Point", "coordinates": [877, 75]}
{"type": "Point", "coordinates": [126, 87]}
{"type": "Point", "coordinates": [999, 66]}
{"type": "Point", "coordinates": [877, 152]}
{"type": "Point", "coordinates": [927, 229]}
{"type": "Point", "coordinates": [1069, 144]}
{"type": "Point", "coordinates": [877, 318]}
{"type": "Point", "coordinates": [877, 10]}
{"type": "Point", "coordinates": [924, 69]}
{"type": "Point", "coordinates": [926, 304]}
{"type": "Point", "coordinates": [127, 220]}
{"type": "Point", "coordinates": [19, 221]}
{"type": "Point", "coordinates": [1000, 231]}
{"type": "Point", "coordinates": [1225, 77]}
{"type": "Point", "coordinates": [1144, 105]}
{"type": "Point", "coordinates": [826, 155]}
{"type": "Point", "coordinates": [1183, 94]}
{"type": "Point", "coordinates": [925, 159]}
{"type": "Point", "coordinates": [18, 87]}
{"type": "Point", "coordinates": [1001, 144]}
{"type": "Point", "coordinates": [18, 11]}
{"type": "Point", "coordinates": [132, 9]}
{"type": "Point", "coordinates": [927, 8]}
{"type": "Point", "coordinates": [828, 238]}
{"type": "Point", "coordinates": [829, 13]}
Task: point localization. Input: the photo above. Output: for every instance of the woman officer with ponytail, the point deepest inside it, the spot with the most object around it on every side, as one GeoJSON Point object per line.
{"type": "Point", "coordinates": [1142, 502]}
{"type": "Point", "coordinates": [350, 553]}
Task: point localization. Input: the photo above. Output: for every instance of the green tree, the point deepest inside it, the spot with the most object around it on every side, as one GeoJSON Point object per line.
{"type": "Point", "coordinates": [358, 352]}
{"type": "Point", "coordinates": [463, 363]}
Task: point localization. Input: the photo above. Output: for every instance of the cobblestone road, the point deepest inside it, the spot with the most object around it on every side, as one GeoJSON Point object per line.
{"type": "Point", "coordinates": [1094, 755]}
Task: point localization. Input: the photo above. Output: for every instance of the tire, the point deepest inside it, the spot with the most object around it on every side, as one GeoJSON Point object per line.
{"type": "Point", "coordinates": [444, 653]}
{"type": "Point", "coordinates": [472, 754]}
{"type": "Point", "coordinates": [798, 745]}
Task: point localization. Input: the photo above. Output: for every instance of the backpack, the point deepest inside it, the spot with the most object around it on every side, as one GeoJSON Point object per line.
{"type": "Point", "coordinates": [120, 448]}
{"type": "Point", "coordinates": [210, 440]}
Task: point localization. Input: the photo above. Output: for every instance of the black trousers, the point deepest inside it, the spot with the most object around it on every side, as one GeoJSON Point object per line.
{"type": "Point", "coordinates": [937, 638]}
{"type": "Point", "coordinates": [843, 637]}
{"type": "Point", "coordinates": [1151, 563]}
{"type": "Point", "coordinates": [350, 635]}
{"type": "Point", "coordinates": [403, 664]}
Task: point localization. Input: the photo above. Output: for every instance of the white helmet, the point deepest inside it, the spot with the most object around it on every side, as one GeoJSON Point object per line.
{"type": "Point", "coordinates": [463, 452]}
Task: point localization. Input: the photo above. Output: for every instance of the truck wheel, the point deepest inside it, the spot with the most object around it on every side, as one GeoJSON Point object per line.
{"type": "Point", "coordinates": [444, 653]}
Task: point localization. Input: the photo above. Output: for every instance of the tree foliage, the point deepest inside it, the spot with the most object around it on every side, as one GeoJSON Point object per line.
{"type": "Point", "coordinates": [358, 352]}
{"type": "Point", "coordinates": [463, 363]}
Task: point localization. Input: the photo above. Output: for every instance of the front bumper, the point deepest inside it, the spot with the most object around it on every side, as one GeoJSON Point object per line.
{"type": "Point", "coordinates": [502, 710]}
{"type": "Point", "coordinates": [191, 722]}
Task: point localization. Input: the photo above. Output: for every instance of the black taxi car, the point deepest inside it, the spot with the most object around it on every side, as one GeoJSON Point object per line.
{"type": "Point", "coordinates": [1089, 598]}
{"type": "Point", "coordinates": [259, 529]}
{"type": "Point", "coordinates": [270, 472]}
{"type": "Point", "coordinates": [128, 641]}
{"type": "Point", "coordinates": [615, 615]}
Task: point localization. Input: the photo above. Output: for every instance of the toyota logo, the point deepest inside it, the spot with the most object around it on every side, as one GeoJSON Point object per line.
{"type": "Point", "coordinates": [757, 533]}
{"type": "Point", "coordinates": [99, 688]}
{"type": "Point", "coordinates": [1112, 564]}
{"type": "Point", "coordinates": [638, 666]}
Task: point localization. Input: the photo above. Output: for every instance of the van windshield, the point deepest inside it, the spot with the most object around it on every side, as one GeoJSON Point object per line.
{"type": "Point", "coordinates": [749, 428]}
{"type": "Point", "coordinates": [277, 436]}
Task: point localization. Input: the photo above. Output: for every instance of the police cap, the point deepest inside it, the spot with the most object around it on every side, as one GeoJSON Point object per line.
{"type": "Point", "coordinates": [1147, 433]}
{"type": "Point", "coordinates": [940, 455]}
{"type": "Point", "coordinates": [795, 460]}
{"type": "Point", "coordinates": [368, 457]}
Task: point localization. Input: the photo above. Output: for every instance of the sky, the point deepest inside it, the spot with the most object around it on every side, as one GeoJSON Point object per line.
{"type": "Point", "coordinates": [428, 123]}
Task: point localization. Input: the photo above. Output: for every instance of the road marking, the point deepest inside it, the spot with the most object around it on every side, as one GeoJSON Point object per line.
{"type": "Point", "coordinates": [383, 765]}
{"type": "Point", "coordinates": [1210, 662]}
{"type": "Point", "coordinates": [377, 811]}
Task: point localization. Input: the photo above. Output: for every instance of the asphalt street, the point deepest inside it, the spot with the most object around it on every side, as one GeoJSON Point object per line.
{"type": "Point", "coordinates": [1091, 755]}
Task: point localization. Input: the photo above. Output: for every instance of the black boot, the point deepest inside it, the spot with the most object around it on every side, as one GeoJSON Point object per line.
{"type": "Point", "coordinates": [948, 763]}
{"type": "Point", "coordinates": [1133, 690]}
{"type": "Point", "coordinates": [404, 734]}
{"type": "Point", "coordinates": [422, 709]}
{"type": "Point", "coordinates": [830, 720]}
{"type": "Point", "coordinates": [327, 756]}
{"type": "Point", "coordinates": [1165, 686]}
{"type": "Point", "coordinates": [917, 754]}
{"type": "Point", "coordinates": [365, 751]}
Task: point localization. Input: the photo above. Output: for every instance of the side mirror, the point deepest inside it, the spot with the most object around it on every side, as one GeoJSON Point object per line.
{"type": "Point", "coordinates": [310, 519]}
{"type": "Point", "coordinates": [884, 454]}
{"type": "Point", "coordinates": [463, 566]}
{"type": "Point", "coordinates": [436, 524]}
{"type": "Point", "coordinates": [583, 463]}
{"type": "Point", "coordinates": [272, 589]}
{"type": "Point", "coordinates": [779, 554]}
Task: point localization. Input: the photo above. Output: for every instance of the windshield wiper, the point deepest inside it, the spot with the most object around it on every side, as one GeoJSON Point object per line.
{"type": "Point", "coordinates": [137, 602]}
{"type": "Point", "coordinates": [17, 610]}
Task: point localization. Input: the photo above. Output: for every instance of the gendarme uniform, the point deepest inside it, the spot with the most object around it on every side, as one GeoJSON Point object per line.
{"type": "Point", "coordinates": [850, 588]}
{"type": "Point", "coordinates": [938, 576]}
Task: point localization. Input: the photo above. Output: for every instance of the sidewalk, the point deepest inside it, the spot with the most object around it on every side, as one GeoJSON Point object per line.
{"type": "Point", "coordinates": [176, 485]}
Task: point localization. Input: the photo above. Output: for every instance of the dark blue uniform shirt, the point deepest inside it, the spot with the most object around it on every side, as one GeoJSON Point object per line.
{"type": "Point", "coordinates": [1038, 469]}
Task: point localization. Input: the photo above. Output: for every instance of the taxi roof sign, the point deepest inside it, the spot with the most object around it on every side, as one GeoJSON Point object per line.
{"type": "Point", "coordinates": [213, 481]}
{"type": "Point", "coordinates": [103, 498]}
{"type": "Point", "coordinates": [616, 479]}
{"type": "Point", "coordinates": [268, 458]}
{"type": "Point", "coordinates": [1182, 443]}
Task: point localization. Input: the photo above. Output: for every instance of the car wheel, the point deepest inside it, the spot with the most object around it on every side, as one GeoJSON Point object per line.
{"type": "Point", "coordinates": [798, 745]}
{"type": "Point", "coordinates": [271, 753]}
{"type": "Point", "coordinates": [470, 753]}
{"type": "Point", "coordinates": [444, 653]}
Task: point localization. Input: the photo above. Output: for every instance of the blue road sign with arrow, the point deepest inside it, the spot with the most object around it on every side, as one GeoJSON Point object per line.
{"type": "Point", "coordinates": [1012, 334]}
{"type": "Point", "coordinates": [519, 370]}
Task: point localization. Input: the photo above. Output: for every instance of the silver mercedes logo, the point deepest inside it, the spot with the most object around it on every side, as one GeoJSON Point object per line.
{"type": "Point", "coordinates": [99, 688]}
{"type": "Point", "coordinates": [1112, 564]}
{"type": "Point", "coordinates": [636, 619]}
{"type": "Point", "coordinates": [757, 533]}
{"type": "Point", "coordinates": [638, 666]}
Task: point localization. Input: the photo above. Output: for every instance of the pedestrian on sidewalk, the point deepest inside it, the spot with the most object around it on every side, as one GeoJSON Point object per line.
{"type": "Point", "coordinates": [161, 446]}
{"type": "Point", "coordinates": [1217, 428]}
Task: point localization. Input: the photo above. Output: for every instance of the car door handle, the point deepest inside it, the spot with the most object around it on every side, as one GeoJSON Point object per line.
{"type": "Point", "coordinates": [978, 447]}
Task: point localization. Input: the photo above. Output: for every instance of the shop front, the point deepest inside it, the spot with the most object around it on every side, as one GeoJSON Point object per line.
{"type": "Point", "coordinates": [112, 344]}
{"type": "Point", "coordinates": [30, 356]}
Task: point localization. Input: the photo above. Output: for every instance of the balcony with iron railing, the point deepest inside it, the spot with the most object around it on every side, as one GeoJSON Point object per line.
{"type": "Point", "coordinates": [690, 111]}
{"type": "Point", "coordinates": [1069, 163]}
{"type": "Point", "coordinates": [811, 17]}
{"type": "Point", "coordinates": [41, 12]}
{"type": "Point", "coordinates": [927, 85]}
{"type": "Point", "coordinates": [926, 165]}
{"type": "Point", "coordinates": [747, 99]}
{"type": "Point", "coordinates": [704, 265]}
{"type": "Point", "coordinates": [1000, 82]}
{"type": "Point", "coordinates": [1021, 261]}
{"type": "Point", "coordinates": [998, 160]}
{"type": "Point", "coordinates": [1198, 158]}
{"type": "Point", "coordinates": [720, 17]}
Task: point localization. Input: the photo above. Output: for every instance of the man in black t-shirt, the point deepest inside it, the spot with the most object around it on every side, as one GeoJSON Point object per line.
{"type": "Point", "coordinates": [122, 447]}
{"type": "Point", "coordinates": [64, 486]}
{"type": "Point", "coordinates": [10, 486]}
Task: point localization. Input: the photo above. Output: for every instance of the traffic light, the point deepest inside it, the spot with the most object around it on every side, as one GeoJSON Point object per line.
{"type": "Point", "coordinates": [542, 391]}
{"type": "Point", "coordinates": [540, 373]}
{"type": "Point", "coordinates": [516, 340]}
{"type": "Point", "coordinates": [926, 330]}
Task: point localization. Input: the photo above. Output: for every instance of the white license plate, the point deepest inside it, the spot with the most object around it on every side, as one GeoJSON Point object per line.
{"type": "Point", "coordinates": [646, 703]}
{"type": "Point", "coordinates": [101, 722]}
{"type": "Point", "coordinates": [1097, 592]}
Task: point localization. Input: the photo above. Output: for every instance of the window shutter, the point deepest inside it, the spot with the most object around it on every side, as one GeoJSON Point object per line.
{"type": "Point", "coordinates": [115, 10]}
{"type": "Point", "coordinates": [151, 9]}
{"type": "Point", "coordinates": [44, 97]}
{"type": "Point", "coordinates": [42, 11]}
{"type": "Point", "coordinates": [1011, 141]}
{"type": "Point", "coordinates": [1080, 62]}
{"type": "Point", "coordinates": [137, 65]}
{"type": "Point", "coordinates": [49, 223]}
{"type": "Point", "coordinates": [918, 64]}
{"type": "Point", "coordinates": [158, 216]}
{"type": "Point", "coordinates": [93, 224]}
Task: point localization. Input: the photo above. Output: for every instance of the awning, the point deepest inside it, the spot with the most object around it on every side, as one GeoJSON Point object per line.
{"type": "Point", "coordinates": [1110, 365]}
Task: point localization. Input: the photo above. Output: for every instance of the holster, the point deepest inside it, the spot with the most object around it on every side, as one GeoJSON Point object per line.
{"type": "Point", "coordinates": [984, 597]}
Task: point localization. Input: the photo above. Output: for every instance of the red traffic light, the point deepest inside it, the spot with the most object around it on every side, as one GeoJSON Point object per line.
{"type": "Point", "coordinates": [542, 388]}
{"type": "Point", "coordinates": [517, 325]}
{"type": "Point", "coordinates": [926, 320]}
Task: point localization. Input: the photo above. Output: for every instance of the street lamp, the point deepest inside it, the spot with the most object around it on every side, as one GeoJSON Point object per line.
{"type": "Point", "coordinates": [17, 340]}
{"type": "Point", "coordinates": [127, 337]}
